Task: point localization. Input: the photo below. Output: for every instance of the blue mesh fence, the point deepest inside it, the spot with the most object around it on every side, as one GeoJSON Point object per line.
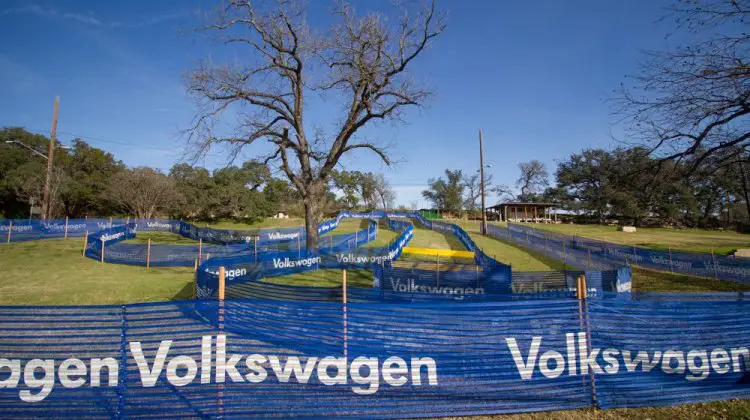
{"type": "Point", "coordinates": [275, 358]}
{"type": "Point", "coordinates": [18, 230]}
{"type": "Point", "coordinates": [588, 253]}
{"type": "Point", "coordinates": [186, 255]}
{"type": "Point", "coordinates": [242, 269]}
{"type": "Point", "coordinates": [21, 230]}
{"type": "Point", "coordinates": [479, 256]}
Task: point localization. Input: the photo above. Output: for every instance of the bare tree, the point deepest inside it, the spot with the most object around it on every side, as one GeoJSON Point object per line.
{"type": "Point", "coordinates": [29, 186]}
{"type": "Point", "coordinates": [473, 185]}
{"type": "Point", "coordinates": [503, 192]}
{"type": "Point", "coordinates": [534, 177]}
{"type": "Point", "coordinates": [143, 191]}
{"type": "Point", "coordinates": [361, 63]}
{"type": "Point", "coordinates": [695, 99]}
{"type": "Point", "coordinates": [384, 191]}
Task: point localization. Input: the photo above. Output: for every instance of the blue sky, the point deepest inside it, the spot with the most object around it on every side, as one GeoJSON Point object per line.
{"type": "Point", "coordinates": [533, 75]}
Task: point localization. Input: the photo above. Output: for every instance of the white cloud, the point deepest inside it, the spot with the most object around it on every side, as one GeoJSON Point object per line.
{"type": "Point", "coordinates": [88, 18]}
{"type": "Point", "coordinates": [35, 9]}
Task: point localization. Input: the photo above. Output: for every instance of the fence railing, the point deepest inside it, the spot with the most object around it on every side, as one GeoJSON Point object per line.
{"type": "Point", "coordinates": [589, 253]}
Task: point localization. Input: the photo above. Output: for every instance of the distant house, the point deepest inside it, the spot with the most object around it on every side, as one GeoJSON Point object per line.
{"type": "Point", "coordinates": [523, 212]}
{"type": "Point", "coordinates": [281, 215]}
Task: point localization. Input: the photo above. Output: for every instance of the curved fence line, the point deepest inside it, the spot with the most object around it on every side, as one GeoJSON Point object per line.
{"type": "Point", "coordinates": [241, 269]}
{"type": "Point", "coordinates": [589, 253]}
{"type": "Point", "coordinates": [107, 246]}
{"type": "Point", "coordinates": [19, 230]}
{"type": "Point", "coordinates": [254, 358]}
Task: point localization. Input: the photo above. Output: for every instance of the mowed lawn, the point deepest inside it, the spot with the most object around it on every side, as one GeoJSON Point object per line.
{"type": "Point", "coordinates": [263, 224]}
{"type": "Point", "coordinates": [53, 272]}
{"type": "Point", "coordinates": [691, 240]}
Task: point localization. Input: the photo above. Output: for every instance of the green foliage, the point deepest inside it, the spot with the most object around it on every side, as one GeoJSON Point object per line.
{"type": "Point", "coordinates": [446, 194]}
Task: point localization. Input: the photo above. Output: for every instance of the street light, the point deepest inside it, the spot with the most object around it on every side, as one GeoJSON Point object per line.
{"type": "Point", "coordinates": [32, 150]}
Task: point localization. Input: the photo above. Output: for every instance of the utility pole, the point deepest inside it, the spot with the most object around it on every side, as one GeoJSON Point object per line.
{"type": "Point", "coordinates": [744, 185]}
{"type": "Point", "coordinates": [46, 204]}
{"type": "Point", "coordinates": [483, 228]}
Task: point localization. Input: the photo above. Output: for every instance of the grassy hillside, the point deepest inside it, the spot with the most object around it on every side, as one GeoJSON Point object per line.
{"type": "Point", "coordinates": [691, 240]}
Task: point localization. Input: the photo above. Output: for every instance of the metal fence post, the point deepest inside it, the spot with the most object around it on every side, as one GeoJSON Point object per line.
{"type": "Point", "coordinates": [343, 285]}
{"type": "Point", "coordinates": [670, 259]}
{"type": "Point", "coordinates": [713, 262]}
{"type": "Point", "coordinates": [437, 271]}
{"type": "Point", "coordinates": [148, 254]}
{"type": "Point", "coordinates": [122, 385]}
{"type": "Point", "coordinates": [66, 228]}
{"type": "Point", "coordinates": [10, 229]}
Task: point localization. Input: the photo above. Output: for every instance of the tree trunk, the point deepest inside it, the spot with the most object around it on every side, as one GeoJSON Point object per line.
{"type": "Point", "coordinates": [313, 205]}
{"type": "Point", "coordinates": [311, 223]}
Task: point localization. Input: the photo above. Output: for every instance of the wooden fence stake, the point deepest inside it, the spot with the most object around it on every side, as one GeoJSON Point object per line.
{"type": "Point", "coordinates": [148, 254]}
{"type": "Point", "coordinates": [85, 243]}
{"type": "Point", "coordinates": [10, 229]}
{"type": "Point", "coordinates": [66, 228]}
{"type": "Point", "coordinates": [343, 284]}
{"type": "Point", "coordinates": [222, 284]}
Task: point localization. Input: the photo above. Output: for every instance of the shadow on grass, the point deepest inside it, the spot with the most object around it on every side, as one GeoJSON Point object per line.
{"type": "Point", "coordinates": [186, 293]}
{"type": "Point", "coordinates": [553, 263]}
{"type": "Point", "coordinates": [660, 281]}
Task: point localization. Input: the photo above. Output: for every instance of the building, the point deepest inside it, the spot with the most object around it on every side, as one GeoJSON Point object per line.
{"type": "Point", "coordinates": [523, 212]}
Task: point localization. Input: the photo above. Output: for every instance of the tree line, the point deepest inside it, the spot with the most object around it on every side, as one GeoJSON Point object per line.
{"type": "Point", "coordinates": [626, 184]}
{"type": "Point", "coordinates": [88, 181]}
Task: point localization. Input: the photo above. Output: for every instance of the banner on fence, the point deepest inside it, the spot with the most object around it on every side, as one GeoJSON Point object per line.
{"type": "Point", "coordinates": [258, 358]}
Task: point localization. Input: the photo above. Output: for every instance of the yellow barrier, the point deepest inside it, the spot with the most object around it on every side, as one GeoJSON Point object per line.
{"type": "Point", "coordinates": [441, 252]}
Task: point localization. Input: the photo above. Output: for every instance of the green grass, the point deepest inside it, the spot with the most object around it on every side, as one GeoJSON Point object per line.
{"type": "Point", "coordinates": [160, 238]}
{"type": "Point", "coordinates": [264, 224]}
{"type": "Point", "coordinates": [424, 238]}
{"type": "Point", "coordinates": [53, 272]}
{"type": "Point", "coordinates": [690, 240]}
{"type": "Point", "coordinates": [660, 281]}
{"type": "Point", "coordinates": [731, 409]}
